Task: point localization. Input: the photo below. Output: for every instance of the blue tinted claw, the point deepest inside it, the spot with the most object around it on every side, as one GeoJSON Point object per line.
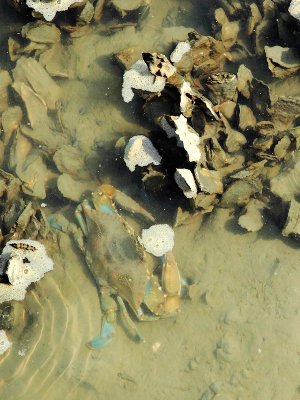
{"type": "Point", "coordinates": [107, 333]}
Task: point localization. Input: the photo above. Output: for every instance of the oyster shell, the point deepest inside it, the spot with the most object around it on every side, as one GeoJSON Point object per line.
{"type": "Point", "coordinates": [209, 181]}
{"type": "Point", "coordinates": [252, 217]}
{"type": "Point", "coordinates": [186, 182]}
{"type": "Point", "coordinates": [286, 184]}
{"type": "Point", "coordinates": [222, 86]}
{"type": "Point", "coordinates": [292, 223]}
{"type": "Point", "coordinates": [282, 61]}
{"type": "Point", "coordinates": [186, 136]}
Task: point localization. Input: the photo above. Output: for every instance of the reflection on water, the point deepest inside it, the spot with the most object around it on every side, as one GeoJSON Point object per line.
{"type": "Point", "coordinates": [64, 126]}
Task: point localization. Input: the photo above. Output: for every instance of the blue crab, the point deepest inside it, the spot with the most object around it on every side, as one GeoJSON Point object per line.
{"type": "Point", "coordinates": [122, 269]}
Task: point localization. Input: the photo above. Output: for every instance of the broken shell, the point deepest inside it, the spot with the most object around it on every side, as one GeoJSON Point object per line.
{"type": "Point", "coordinates": [282, 61]}
{"type": "Point", "coordinates": [185, 180]}
{"type": "Point", "coordinates": [74, 189]}
{"type": "Point", "coordinates": [48, 9]}
{"type": "Point", "coordinates": [253, 171]}
{"type": "Point", "coordinates": [222, 86]}
{"type": "Point", "coordinates": [186, 136]}
{"type": "Point", "coordinates": [159, 65]}
{"type": "Point", "coordinates": [252, 218]}
{"type": "Point", "coordinates": [205, 202]}
{"type": "Point", "coordinates": [11, 119]}
{"type": "Point", "coordinates": [29, 71]}
{"type": "Point", "coordinates": [69, 160]}
{"type": "Point", "coordinates": [239, 192]}
{"type": "Point", "coordinates": [287, 183]}
{"type": "Point", "coordinates": [244, 79]}
{"type": "Point", "coordinates": [229, 29]}
{"type": "Point", "coordinates": [227, 109]}
{"type": "Point", "coordinates": [282, 147]}
{"type": "Point", "coordinates": [41, 32]}
{"type": "Point", "coordinates": [140, 151]}
{"type": "Point", "coordinates": [246, 117]}
{"type": "Point", "coordinates": [179, 51]}
{"type": "Point", "coordinates": [294, 9]}
{"type": "Point", "coordinates": [139, 77]}
{"type": "Point", "coordinates": [292, 224]}
{"type": "Point", "coordinates": [285, 111]}
{"type": "Point", "coordinates": [254, 19]}
{"type": "Point", "coordinates": [209, 181]}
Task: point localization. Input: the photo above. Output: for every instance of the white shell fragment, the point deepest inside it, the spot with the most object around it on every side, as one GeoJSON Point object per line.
{"type": "Point", "coordinates": [158, 239]}
{"type": "Point", "coordinates": [140, 151]}
{"type": "Point", "coordinates": [25, 262]}
{"type": "Point", "coordinates": [179, 51]}
{"type": "Point", "coordinates": [185, 180]}
{"type": "Point", "coordinates": [292, 223]}
{"type": "Point", "coordinates": [49, 9]}
{"type": "Point", "coordinates": [186, 136]}
{"type": "Point", "coordinates": [5, 344]}
{"type": "Point", "coordinates": [294, 9]}
{"type": "Point", "coordinates": [186, 104]}
{"type": "Point", "coordinates": [139, 77]}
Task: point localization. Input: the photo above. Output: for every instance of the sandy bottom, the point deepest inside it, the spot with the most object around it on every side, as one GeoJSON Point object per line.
{"type": "Point", "coordinates": [238, 338]}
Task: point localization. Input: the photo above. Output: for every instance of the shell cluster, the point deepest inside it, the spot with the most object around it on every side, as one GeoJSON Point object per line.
{"type": "Point", "coordinates": [226, 136]}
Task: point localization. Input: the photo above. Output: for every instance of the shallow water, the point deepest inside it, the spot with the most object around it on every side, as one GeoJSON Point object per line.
{"type": "Point", "coordinates": [237, 338]}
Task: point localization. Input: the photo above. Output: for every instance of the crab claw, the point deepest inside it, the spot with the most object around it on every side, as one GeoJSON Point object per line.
{"type": "Point", "coordinates": [124, 201]}
{"type": "Point", "coordinates": [107, 333]}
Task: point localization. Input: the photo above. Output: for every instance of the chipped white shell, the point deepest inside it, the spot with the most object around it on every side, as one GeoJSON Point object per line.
{"type": "Point", "coordinates": [49, 9]}
{"type": "Point", "coordinates": [25, 265]}
{"type": "Point", "coordinates": [139, 77]}
{"type": "Point", "coordinates": [179, 51]}
{"type": "Point", "coordinates": [185, 180]}
{"type": "Point", "coordinates": [140, 151]}
{"type": "Point", "coordinates": [5, 344]}
{"type": "Point", "coordinates": [158, 239]}
{"type": "Point", "coordinates": [186, 136]}
{"type": "Point", "coordinates": [294, 9]}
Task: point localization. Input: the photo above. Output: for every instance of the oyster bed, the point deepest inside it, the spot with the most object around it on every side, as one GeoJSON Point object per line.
{"type": "Point", "coordinates": [206, 137]}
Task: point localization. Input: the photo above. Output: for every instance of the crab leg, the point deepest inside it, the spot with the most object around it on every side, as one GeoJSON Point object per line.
{"type": "Point", "coordinates": [107, 333]}
{"type": "Point", "coordinates": [109, 308]}
{"type": "Point", "coordinates": [125, 202]}
{"type": "Point", "coordinates": [130, 326]}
